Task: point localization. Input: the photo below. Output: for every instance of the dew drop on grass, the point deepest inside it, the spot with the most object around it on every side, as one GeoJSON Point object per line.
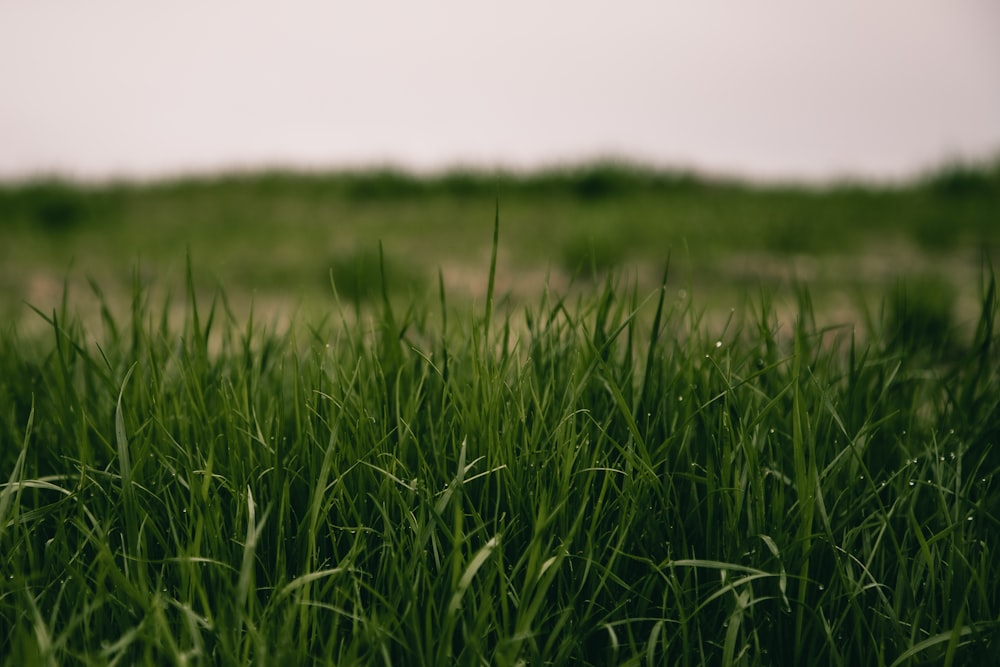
{"type": "Point", "coordinates": [912, 483]}
{"type": "Point", "coordinates": [718, 343]}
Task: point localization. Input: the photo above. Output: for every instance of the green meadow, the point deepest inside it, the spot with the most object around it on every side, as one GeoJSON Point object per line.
{"type": "Point", "coordinates": [600, 415]}
{"type": "Point", "coordinates": [273, 238]}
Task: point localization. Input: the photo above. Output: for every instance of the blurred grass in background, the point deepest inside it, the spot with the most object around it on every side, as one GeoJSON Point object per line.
{"type": "Point", "coordinates": [276, 238]}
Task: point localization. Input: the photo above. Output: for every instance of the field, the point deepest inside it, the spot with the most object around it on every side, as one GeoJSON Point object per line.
{"type": "Point", "coordinates": [273, 238]}
{"type": "Point", "coordinates": [605, 416]}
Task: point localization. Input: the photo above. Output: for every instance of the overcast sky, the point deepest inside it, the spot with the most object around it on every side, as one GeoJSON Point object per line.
{"type": "Point", "coordinates": [768, 89]}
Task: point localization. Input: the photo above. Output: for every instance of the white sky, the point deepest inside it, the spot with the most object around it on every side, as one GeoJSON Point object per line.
{"type": "Point", "coordinates": [767, 89]}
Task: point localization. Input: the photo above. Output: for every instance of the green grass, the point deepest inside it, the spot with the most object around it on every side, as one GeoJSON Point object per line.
{"type": "Point", "coordinates": [609, 478]}
{"type": "Point", "coordinates": [274, 236]}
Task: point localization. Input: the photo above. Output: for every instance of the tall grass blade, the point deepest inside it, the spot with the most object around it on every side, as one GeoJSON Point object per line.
{"type": "Point", "coordinates": [491, 283]}
{"type": "Point", "coordinates": [12, 489]}
{"type": "Point", "coordinates": [470, 572]}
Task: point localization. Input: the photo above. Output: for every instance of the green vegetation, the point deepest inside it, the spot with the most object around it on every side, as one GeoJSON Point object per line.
{"type": "Point", "coordinates": [273, 237]}
{"type": "Point", "coordinates": [611, 480]}
{"type": "Point", "coordinates": [603, 464]}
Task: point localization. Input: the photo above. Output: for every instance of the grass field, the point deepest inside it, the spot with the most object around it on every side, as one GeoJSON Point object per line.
{"type": "Point", "coordinates": [273, 238]}
{"type": "Point", "coordinates": [616, 470]}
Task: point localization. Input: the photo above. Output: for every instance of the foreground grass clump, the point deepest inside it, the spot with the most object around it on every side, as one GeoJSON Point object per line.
{"type": "Point", "coordinates": [604, 482]}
